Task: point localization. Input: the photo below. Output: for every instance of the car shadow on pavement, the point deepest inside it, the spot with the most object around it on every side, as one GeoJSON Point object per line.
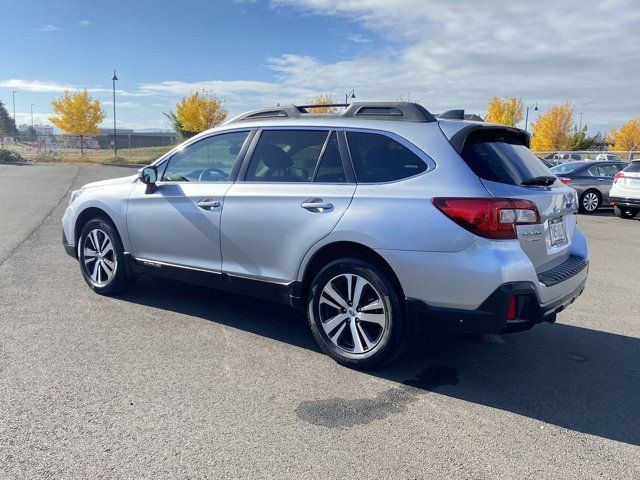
{"type": "Point", "coordinates": [577, 378]}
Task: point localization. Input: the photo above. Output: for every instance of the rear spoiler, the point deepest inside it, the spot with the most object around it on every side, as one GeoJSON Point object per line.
{"type": "Point", "coordinates": [458, 136]}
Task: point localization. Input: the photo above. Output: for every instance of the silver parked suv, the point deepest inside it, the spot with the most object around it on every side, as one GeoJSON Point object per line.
{"type": "Point", "coordinates": [378, 221]}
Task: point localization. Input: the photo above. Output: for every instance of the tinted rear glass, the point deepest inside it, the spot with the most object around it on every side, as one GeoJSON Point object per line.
{"type": "Point", "coordinates": [378, 158]}
{"type": "Point", "coordinates": [567, 167]}
{"type": "Point", "coordinates": [503, 162]}
{"type": "Point", "coordinates": [633, 167]}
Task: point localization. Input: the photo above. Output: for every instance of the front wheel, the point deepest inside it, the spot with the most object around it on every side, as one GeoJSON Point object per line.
{"type": "Point", "coordinates": [626, 213]}
{"type": "Point", "coordinates": [101, 258]}
{"type": "Point", "coordinates": [356, 314]}
{"type": "Point", "coordinates": [590, 201]}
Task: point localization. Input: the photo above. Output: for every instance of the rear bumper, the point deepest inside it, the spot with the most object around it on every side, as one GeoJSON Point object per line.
{"type": "Point", "coordinates": [491, 316]}
{"type": "Point", "coordinates": [625, 202]}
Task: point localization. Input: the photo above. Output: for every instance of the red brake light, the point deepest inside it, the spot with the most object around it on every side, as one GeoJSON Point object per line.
{"type": "Point", "coordinates": [511, 312]}
{"type": "Point", "coordinates": [489, 217]}
{"type": "Point", "coordinates": [565, 180]}
{"type": "Point", "coordinates": [617, 176]}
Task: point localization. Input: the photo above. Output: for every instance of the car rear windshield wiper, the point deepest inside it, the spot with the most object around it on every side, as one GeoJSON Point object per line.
{"type": "Point", "coordinates": [544, 180]}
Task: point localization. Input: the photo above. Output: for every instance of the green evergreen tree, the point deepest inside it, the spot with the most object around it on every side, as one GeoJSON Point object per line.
{"type": "Point", "coordinates": [7, 124]}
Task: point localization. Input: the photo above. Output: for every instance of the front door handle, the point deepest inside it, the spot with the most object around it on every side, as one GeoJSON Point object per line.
{"type": "Point", "coordinates": [208, 204]}
{"type": "Point", "coordinates": [317, 205]}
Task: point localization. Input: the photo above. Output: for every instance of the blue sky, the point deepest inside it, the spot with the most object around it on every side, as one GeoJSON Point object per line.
{"type": "Point", "coordinates": [453, 54]}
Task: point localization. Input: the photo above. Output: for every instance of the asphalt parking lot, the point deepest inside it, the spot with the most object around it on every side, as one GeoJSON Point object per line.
{"type": "Point", "coordinates": [176, 381]}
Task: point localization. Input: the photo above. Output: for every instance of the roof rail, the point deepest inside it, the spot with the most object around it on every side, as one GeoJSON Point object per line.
{"type": "Point", "coordinates": [399, 111]}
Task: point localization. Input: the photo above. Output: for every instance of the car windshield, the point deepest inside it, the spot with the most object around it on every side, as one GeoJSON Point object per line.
{"type": "Point", "coordinates": [567, 167]}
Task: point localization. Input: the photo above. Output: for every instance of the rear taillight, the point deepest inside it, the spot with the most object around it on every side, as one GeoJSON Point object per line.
{"type": "Point", "coordinates": [512, 311]}
{"type": "Point", "coordinates": [565, 180]}
{"type": "Point", "coordinates": [489, 217]}
{"type": "Point", "coordinates": [617, 176]}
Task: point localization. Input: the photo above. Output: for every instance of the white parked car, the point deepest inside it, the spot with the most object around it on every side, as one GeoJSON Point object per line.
{"type": "Point", "coordinates": [625, 192]}
{"type": "Point", "coordinates": [608, 157]}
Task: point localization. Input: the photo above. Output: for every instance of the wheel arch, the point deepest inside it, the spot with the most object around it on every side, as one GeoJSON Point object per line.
{"type": "Point", "coordinates": [86, 215]}
{"type": "Point", "coordinates": [340, 249]}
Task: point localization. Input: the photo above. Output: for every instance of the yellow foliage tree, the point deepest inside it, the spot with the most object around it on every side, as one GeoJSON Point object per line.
{"type": "Point", "coordinates": [554, 129]}
{"type": "Point", "coordinates": [627, 138]}
{"type": "Point", "coordinates": [77, 114]}
{"type": "Point", "coordinates": [200, 111]}
{"type": "Point", "coordinates": [505, 111]}
{"type": "Point", "coordinates": [323, 99]}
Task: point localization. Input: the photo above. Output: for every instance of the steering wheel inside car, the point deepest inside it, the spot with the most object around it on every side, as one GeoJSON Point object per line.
{"type": "Point", "coordinates": [207, 173]}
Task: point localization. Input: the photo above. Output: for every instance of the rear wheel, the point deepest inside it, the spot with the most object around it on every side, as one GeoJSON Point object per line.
{"type": "Point", "coordinates": [101, 258]}
{"type": "Point", "coordinates": [626, 213]}
{"type": "Point", "coordinates": [356, 314]}
{"type": "Point", "coordinates": [590, 201]}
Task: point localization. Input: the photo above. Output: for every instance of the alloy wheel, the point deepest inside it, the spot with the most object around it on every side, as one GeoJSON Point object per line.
{"type": "Point", "coordinates": [590, 202]}
{"type": "Point", "coordinates": [352, 314]}
{"type": "Point", "coordinates": [99, 258]}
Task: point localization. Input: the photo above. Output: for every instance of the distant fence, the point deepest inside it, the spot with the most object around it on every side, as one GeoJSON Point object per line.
{"type": "Point", "coordinates": [69, 148]}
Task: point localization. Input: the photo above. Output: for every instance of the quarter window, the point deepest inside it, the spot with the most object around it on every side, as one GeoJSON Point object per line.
{"type": "Point", "coordinates": [286, 156]}
{"type": "Point", "coordinates": [378, 158]}
{"type": "Point", "coordinates": [208, 160]}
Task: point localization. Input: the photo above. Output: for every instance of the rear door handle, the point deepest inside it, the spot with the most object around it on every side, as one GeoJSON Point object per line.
{"type": "Point", "coordinates": [317, 205]}
{"type": "Point", "coordinates": [208, 204]}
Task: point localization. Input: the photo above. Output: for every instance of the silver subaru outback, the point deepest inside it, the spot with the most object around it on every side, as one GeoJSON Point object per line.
{"type": "Point", "coordinates": [379, 222]}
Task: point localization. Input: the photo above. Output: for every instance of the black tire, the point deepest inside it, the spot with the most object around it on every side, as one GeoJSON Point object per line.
{"type": "Point", "coordinates": [120, 281]}
{"type": "Point", "coordinates": [587, 200]}
{"type": "Point", "coordinates": [624, 212]}
{"type": "Point", "coordinates": [391, 339]}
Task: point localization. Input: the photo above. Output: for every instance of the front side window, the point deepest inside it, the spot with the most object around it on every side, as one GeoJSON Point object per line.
{"type": "Point", "coordinates": [378, 158]}
{"type": "Point", "coordinates": [208, 160]}
{"type": "Point", "coordinates": [286, 156]}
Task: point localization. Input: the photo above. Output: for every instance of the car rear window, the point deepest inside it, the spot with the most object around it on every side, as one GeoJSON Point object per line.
{"type": "Point", "coordinates": [633, 167]}
{"type": "Point", "coordinates": [567, 167]}
{"type": "Point", "coordinates": [495, 158]}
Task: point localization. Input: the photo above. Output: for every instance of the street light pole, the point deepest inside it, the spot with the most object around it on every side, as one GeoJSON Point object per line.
{"type": "Point", "coordinates": [13, 93]}
{"type": "Point", "coordinates": [115, 132]}
{"type": "Point", "coordinates": [351, 94]}
{"type": "Point", "coordinates": [580, 127]}
{"type": "Point", "coordinates": [526, 118]}
{"type": "Point", "coordinates": [32, 118]}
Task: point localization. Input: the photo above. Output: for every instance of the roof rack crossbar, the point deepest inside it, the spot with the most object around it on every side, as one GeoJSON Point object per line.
{"type": "Point", "coordinates": [398, 111]}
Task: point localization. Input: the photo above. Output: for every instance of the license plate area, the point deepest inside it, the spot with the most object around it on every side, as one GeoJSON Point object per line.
{"type": "Point", "coordinates": [635, 181]}
{"type": "Point", "coordinates": [557, 233]}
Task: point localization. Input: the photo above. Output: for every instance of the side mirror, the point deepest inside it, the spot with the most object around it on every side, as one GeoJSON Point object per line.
{"type": "Point", "coordinates": [149, 176]}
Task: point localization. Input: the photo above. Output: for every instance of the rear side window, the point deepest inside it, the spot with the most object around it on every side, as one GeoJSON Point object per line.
{"type": "Point", "coordinates": [286, 156]}
{"type": "Point", "coordinates": [633, 167]}
{"type": "Point", "coordinates": [378, 158]}
{"type": "Point", "coordinates": [494, 158]}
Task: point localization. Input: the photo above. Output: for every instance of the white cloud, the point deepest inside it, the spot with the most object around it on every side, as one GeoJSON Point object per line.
{"type": "Point", "coordinates": [459, 54]}
{"type": "Point", "coordinates": [38, 86]}
{"type": "Point", "coordinates": [48, 28]}
{"type": "Point", "coordinates": [85, 23]}
{"type": "Point", "coordinates": [357, 38]}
